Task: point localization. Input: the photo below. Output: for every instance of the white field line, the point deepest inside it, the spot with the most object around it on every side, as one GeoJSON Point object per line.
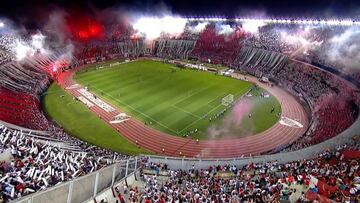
{"type": "Point", "coordinates": [208, 104]}
{"type": "Point", "coordinates": [136, 110]}
{"type": "Point", "coordinates": [174, 131]}
{"type": "Point", "coordinates": [212, 110]}
{"type": "Point", "coordinates": [193, 92]}
{"type": "Point", "coordinates": [212, 101]}
{"type": "Point", "coordinates": [183, 110]}
{"type": "Point", "coordinates": [200, 118]}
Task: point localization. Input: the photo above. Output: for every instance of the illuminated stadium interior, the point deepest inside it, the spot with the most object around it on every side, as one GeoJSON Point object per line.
{"type": "Point", "coordinates": [119, 105]}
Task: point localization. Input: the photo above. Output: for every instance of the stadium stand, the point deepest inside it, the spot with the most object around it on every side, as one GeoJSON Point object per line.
{"type": "Point", "coordinates": [18, 108]}
{"type": "Point", "coordinates": [38, 162]}
{"type": "Point", "coordinates": [332, 175]}
{"type": "Point", "coordinates": [214, 48]}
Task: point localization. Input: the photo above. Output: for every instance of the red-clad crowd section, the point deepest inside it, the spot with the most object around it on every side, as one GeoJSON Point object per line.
{"type": "Point", "coordinates": [18, 108]}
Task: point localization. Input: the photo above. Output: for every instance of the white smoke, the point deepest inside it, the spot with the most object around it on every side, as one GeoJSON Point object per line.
{"type": "Point", "coordinates": [198, 28]}
{"type": "Point", "coordinates": [294, 39]}
{"type": "Point", "coordinates": [64, 58]}
{"type": "Point", "coordinates": [68, 54]}
{"type": "Point", "coordinates": [57, 29]}
{"type": "Point", "coordinates": [38, 43]}
{"type": "Point", "coordinates": [252, 26]}
{"type": "Point", "coordinates": [300, 40]}
{"type": "Point", "coordinates": [12, 42]}
{"type": "Point", "coordinates": [224, 29]}
{"type": "Point", "coordinates": [7, 27]}
{"type": "Point", "coordinates": [38, 40]}
{"type": "Point", "coordinates": [152, 27]}
{"type": "Point", "coordinates": [52, 42]}
{"type": "Point", "coordinates": [28, 48]}
{"type": "Point", "coordinates": [21, 50]}
{"type": "Point", "coordinates": [59, 37]}
{"type": "Point", "coordinates": [344, 49]}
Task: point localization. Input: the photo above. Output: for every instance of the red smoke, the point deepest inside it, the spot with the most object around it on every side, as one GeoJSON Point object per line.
{"type": "Point", "coordinates": [83, 27]}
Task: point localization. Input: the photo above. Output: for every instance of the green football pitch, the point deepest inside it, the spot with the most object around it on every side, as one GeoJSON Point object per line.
{"type": "Point", "coordinates": [79, 122]}
{"type": "Point", "coordinates": [173, 100]}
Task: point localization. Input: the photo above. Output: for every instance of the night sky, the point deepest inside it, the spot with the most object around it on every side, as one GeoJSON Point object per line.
{"type": "Point", "coordinates": [32, 11]}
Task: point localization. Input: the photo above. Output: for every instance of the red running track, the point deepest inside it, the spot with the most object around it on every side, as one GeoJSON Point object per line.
{"type": "Point", "coordinates": [164, 144]}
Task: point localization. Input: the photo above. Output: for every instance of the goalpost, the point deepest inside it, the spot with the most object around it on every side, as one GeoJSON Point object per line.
{"type": "Point", "coordinates": [227, 100]}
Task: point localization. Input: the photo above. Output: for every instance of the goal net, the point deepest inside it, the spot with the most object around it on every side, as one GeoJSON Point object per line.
{"type": "Point", "coordinates": [227, 100]}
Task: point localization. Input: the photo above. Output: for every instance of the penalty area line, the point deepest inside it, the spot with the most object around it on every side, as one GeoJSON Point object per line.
{"type": "Point", "coordinates": [190, 94]}
{"type": "Point", "coordinates": [205, 115]}
{"type": "Point", "coordinates": [183, 110]}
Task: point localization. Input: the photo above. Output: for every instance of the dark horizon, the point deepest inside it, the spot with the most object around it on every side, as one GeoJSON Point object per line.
{"type": "Point", "coordinates": [36, 10]}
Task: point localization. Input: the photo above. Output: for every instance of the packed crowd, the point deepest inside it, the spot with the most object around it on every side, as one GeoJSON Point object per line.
{"type": "Point", "coordinates": [4, 57]}
{"type": "Point", "coordinates": [309, 82]}
{"type": "Point", "coordinates": [215, 48]}
{"type": "Point", "coordinates": [108, 49]}
{"type": "Point", "coordinates": [331, 175]}
{"type": "Point", "coordinates": [333, 104]}
{"type": "Point", "coordinates": [304, 42]}
{"type": "Point", "coordinates": [36, 164]}
{"type": "Point", "coordinates": [171, 49]}
{"type": "Point", "coordinates": [332, 116]}
{"type": "Point", "coordinates": [24, 110]}
{"type": "Point", "coordinates": [39, 161]}
{"type": "Point", "coordinates": [260, 55]}
{"type": "Point", "coordinates": [30, 169]}
{"type": "Point", "coordinates": [334, 107]}
{"type": "Point", "coordinates": [6, 41]}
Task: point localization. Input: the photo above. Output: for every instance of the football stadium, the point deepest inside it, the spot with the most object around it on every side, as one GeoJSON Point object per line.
{"type": "Point", "coordinates": [100, 102]}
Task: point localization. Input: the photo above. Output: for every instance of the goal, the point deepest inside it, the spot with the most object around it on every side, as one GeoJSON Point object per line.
{"type": "Point", "coordinates": [227, 100]}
